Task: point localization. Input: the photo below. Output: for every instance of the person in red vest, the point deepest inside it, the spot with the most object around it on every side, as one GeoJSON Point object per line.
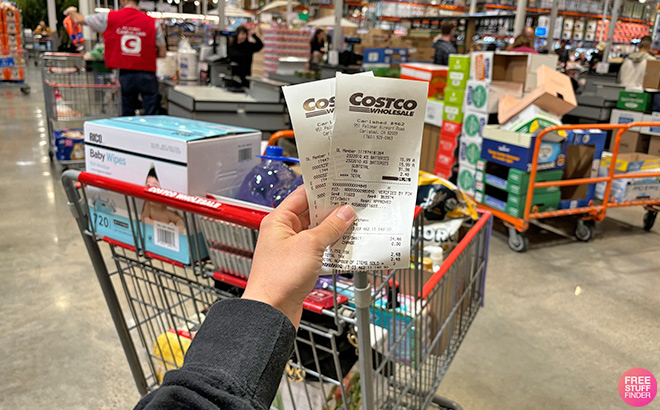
{"type": "Point", "coordinates": [133, 41]}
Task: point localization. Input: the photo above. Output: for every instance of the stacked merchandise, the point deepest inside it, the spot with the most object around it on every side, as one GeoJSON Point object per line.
{"type": "Point", "coordinates": [418, 46]}
{"type": "Point", "coordinates": [12, 62]}
{"type": "Point", "coordinates": [507, 150]}
{"type": "Point", "coordinates": [195, 32]}
{"type": "Point", "coordinates": [446, 164]}
{"type": "Point", "coordinates": [279, 42]}
{"type": "Point", "coordinates": [475, 118]}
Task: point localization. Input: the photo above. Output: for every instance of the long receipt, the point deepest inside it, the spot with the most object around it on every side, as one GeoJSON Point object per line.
{"type": "Point", "coordinates": [371, 164]}
{"type": "Point", "coordinates": [311, 106]}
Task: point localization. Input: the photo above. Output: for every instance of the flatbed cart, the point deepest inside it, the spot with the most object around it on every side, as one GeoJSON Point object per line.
{"type": "Point", "coordinates": [158, 304]}
{"type": "Point", "coordinates": [588, 215]}
{"type": "Point", "coordinates": [14, 60]}
{"type": "Point", "coordinates": [73, 94]}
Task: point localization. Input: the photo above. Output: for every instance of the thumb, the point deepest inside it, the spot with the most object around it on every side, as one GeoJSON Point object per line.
{"type": "Point", "coordinates": [333, 227]}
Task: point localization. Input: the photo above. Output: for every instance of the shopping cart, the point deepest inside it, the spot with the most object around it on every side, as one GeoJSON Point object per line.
{"type": "Point", "coordinates": [13, 69]}
{"type": "Point", "coordinates": [403, 327]}
{"type": "Point", "coordinates": [588, 215]}
{"type": "Point", "coordinates": [73, 94]}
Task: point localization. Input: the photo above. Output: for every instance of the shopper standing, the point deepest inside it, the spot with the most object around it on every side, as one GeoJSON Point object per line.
{"type": "Point", "coordinates": [241, 51]}
{"type": "Point", "coordinates": [522, 44]}
{"type": "Point", "coordinates": [133, 41]}
{"type": "Point", "coordinates": [633, 68]}
{"type": "Point", "coordinates": [562, 52]}
{"type": "Point", "coordinates": [444, 45]}
{"type": "Point", "coordinates": [318, 48]}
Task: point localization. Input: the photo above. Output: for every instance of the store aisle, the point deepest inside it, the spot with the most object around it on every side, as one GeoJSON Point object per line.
{"type": "Point", "coordinates": [61, 349]}
{"type": "Point", "coordinates": [560, 325]}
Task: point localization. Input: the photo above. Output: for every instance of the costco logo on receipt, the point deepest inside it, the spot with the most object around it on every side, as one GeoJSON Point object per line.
{"type": "Point", "coordinates": [382, 105]}
{"type": "Point", "coordinates": [314, 107]}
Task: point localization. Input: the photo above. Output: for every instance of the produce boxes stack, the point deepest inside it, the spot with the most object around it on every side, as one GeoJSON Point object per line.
{"type": "Point", "coordinates": [12, 61]}
{"type": "Point", "coordinates": [446, 165]}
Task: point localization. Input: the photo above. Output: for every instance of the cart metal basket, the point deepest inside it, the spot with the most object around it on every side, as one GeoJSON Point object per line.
{"type": "Point", "coordinates": [73, 95]}
{"type": "Point", "coordinates": [402, 327]}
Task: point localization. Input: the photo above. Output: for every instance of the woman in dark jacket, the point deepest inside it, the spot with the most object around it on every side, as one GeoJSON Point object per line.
{"type": "Point", "coordinates": [241, 51]}
{"type": "Point", "coordinates": [318, 47]}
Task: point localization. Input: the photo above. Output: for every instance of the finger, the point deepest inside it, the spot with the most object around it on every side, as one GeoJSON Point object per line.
{"type": "Point", "coordinates": [304, 220]}
{"type": "Point", "coordinates": [333, 227]}
{"type": "Point", "coordinates": [296, 202]}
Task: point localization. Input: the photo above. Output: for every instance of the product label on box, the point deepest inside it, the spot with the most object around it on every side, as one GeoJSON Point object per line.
{"type": "Point", "coordinates": [473, 124]}
{"type": "Point", "coordinates": [470, 151]}
{"type": "Point", "coordinates": [466, 180]}
{"type": "Point", "coordinates": [478, 96]}
{"type": "Point", "coordinates": [375, 162]}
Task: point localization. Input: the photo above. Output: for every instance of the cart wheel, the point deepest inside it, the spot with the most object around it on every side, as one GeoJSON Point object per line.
{"type": "Point", "coordinates": [25, 90]}
{"type": "Point", "coordinates": [584, 230]}
{"type": "Point", "coordinates": [649, 219]}
{"type": "Point", "coordinates": [517, 241]}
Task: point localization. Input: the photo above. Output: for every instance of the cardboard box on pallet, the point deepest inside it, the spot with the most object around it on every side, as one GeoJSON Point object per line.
{"type": "Point", "coordinates": [654, 146]}
{"type": "Point", "coordinates": [554, 94]}
{"type": "Point", "coordinates": [631, 141]}
{"type": "Point", "coordinates": [167, 155]}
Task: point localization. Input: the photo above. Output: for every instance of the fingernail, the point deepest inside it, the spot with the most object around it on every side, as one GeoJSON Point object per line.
{"type": "Point", "coordinates": [346, 213]}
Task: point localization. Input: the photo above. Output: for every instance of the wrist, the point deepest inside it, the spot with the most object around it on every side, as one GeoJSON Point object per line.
{"type": "Point", "coordinates": [290, 310]}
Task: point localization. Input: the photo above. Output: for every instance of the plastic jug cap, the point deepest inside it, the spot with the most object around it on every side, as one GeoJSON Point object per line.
{"type": "Point", "coordinates": [274, 151]}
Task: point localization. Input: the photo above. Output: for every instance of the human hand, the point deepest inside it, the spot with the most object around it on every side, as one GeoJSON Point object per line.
{"type": "Point", "coordinates": [288, 257]}
{"type": "Point", "coordinates": [69, 10]}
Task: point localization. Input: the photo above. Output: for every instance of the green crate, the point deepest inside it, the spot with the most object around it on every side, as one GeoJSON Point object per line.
{"type": "Point", "coordinates": [517, 181]}
{"type": "Point", "coordinates": [635, 101]}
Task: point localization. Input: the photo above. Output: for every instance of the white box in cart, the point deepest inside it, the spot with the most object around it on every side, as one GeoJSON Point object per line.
{"type": "Point", "coordinates": [625, 117]}
{"type": "Point", "coordinates": [166, 155]}
{"type": "Point", "coordinates": [653, 117]}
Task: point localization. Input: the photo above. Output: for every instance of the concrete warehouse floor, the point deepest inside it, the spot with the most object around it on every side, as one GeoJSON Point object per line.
{"type": "Point", "coordinates": [561, 323]}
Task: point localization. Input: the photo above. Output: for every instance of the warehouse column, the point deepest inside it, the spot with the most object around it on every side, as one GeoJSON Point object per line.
{"type": "Point", "coordinates": [205, 7]}
{"type": "Point", "coordinates": [551, 28]}
{"type": "Point", "coordinates": [610, 32]}
{"type": "Point", "coordinates": [473, 6]}
{"type": "Point", "coordinates": [339, 14]}
{"type": "Point", "coordinates": [221, 15]}
{"type": "Point", "coordinates": [86, 7]}
{"type": "Point", "coordinates": [52, 22]}
{"type": "Point", "coordinates": [521, 16]}
{"type": "Point", "coordinates": [602, 23]}
{"type": "Point", "coordinates": [289, 10]}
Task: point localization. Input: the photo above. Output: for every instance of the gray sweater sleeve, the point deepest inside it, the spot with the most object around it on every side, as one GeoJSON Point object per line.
{"type": "Point", "coordinates": [235, 361]}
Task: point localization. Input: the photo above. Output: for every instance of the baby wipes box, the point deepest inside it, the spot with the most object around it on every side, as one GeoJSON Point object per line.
{"type": "Point", "coordinates": [163, 154]}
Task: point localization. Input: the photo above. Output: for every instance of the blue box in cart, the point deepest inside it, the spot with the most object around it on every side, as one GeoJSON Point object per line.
{"type": "Point", "coordinates": [582, 163]}
{"type": "Point", "coordinates": [515, 149]}
{"type": "Point", "coordinates": [163, 153]}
